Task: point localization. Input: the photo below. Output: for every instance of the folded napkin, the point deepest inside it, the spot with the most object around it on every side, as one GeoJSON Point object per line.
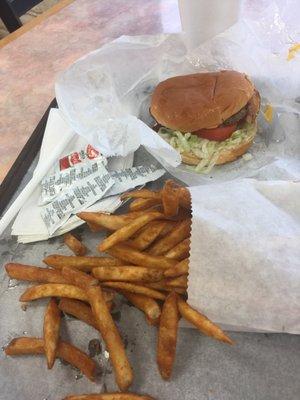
{"type": "Point", "coordinates": [29, 225]}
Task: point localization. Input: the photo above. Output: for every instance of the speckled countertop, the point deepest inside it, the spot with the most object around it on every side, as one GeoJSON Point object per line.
{"type": "Point", "coordinates": [29, 64]}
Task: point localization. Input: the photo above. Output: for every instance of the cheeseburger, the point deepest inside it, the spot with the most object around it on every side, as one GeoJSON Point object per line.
{"type": "Point", "coordinates": [209, 118]}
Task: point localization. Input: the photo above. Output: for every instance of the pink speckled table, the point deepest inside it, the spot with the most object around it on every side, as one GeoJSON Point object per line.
{"type": "Point", "coordinates": [29, 64]}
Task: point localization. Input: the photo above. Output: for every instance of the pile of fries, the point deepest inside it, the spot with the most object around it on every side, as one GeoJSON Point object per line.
{"type": "Point", "coordinates": [147, 262]}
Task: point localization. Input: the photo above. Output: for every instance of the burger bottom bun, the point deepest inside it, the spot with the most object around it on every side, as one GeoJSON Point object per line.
{"type": "Point", "coordinates": [225, 156]}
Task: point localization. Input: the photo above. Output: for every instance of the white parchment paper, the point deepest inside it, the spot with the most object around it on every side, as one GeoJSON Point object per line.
{"type": "Point", "coordinates": [245, 254]}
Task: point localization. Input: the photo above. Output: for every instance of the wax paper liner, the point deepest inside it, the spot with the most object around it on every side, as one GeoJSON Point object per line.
{"type": "Point", "coordinates": [245, 254]}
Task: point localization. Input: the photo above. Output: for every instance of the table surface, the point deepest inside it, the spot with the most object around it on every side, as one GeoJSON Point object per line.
{"type": "Point", "coordinates": [258, 367]}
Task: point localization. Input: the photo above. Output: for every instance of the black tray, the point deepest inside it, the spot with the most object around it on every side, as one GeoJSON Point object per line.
{"type": "Point", "coordinates": [19, 168]}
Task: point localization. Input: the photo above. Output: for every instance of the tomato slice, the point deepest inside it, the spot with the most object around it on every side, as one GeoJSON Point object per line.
{"type": "Point", "coordinates": [218, 134]}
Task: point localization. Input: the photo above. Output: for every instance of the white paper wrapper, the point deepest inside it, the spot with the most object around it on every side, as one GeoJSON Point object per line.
{"type": "Point", "coordinates": [245, 254]}
{"type": "Point", "coordinates": [29, 225]}
{"type": "Point", "coordinates": [105, 96]}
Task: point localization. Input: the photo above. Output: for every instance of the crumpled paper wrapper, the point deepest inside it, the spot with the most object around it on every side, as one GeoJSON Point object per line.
{"type": "Point", "coordinates": [245, 255]}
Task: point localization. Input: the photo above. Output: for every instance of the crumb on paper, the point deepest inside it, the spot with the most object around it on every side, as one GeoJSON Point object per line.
{"type": "Point", "coordinates": [247, 157]}
{"type": "Point", "coordinates": [293, 50]}
{"type": "Point", "coordinates": [74, 244]}
{"type": "Point", "coordinates": [268, 113]}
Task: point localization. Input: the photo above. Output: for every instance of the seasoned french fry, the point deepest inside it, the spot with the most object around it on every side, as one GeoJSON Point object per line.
{"type": "Point", "coordinates": [111, 336]}
{"type": "Point", "coordinates": [201, 322]}
{"type": "Point", "coordinates": [147, 235]}
{"type": "Point", "coordinates": [109, 295]}
{"type": "Point", "coordinates": [178, 290]}
{"type": "Point", "coordinates": [168, 228]}
{"type": "Point", "coordinates": [107, 221]}
{"type": "Point", "coordinates": [150, 232]}
{"type": "Point", "coordinates": [58, 290]}
{"type": "Point", "coordinates": [179, 281]}
{"type": "Point", "coordinates": [25, 345]}
{"type": "Point", "coordinates": [170, 198]}
{"type": "Point", "coordinates": [181, 268]}
{"type": "Point", "coordinates": [155, 207]}
{"type": "Point", "coordinates": [143, 204]}
{"type": "Point", "coordinates": [34, 274]}
{"type": "Point", "coordinates": [79, 310]}
{"type": "Point", "coordinates": [161, 285]}
{"type": "Point", "coordinates": [167, 336]}
{"type": "Point", "coordinates": [108, 396]}
{"type": "Point", "coordinates": [168, 225]}
{"type": "Point", "coordinates": [78, 278]}
{"type": "Point", "coordinates": [151, 321]}
{"type": "Point", "coordinates": [53, 290]}
{"type": "Point", "coordinates": [130, 287]}
{"type": "Point", "coordinates": [141, 194]}
{"type": "Point", "coordinates": [77, 358]}
{"type": "Point", "coordinates": [82, 263]}
{"type": "Point", "coordinates": [127, 231]}
{"type": "Point", "coordinates": [185, 198]}
{"type": "Point", "coordinates": [180, 251]}
{"type": "Point", "coordinates": [94, 227]}
{"type": "Point", "coordinates": [179, 233]}
{"type": "Point", "coordinates": [146, 304]}
{"type": "Point", "coordinates": [136, 257]}
{"type": "Point", "coordinates": [128, 274]}
{"type": "Point", "coordinates": [66, 351]}
{"type": "Point", "coordinates": [75, 245]}
{"type": "Point", "coordinates": [183, 213]}
{"type": "Point", "coordinates": [51, 331]}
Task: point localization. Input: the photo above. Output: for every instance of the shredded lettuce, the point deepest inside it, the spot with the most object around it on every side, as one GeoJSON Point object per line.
{"type": "Point", "coordinates": [207, 150]}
